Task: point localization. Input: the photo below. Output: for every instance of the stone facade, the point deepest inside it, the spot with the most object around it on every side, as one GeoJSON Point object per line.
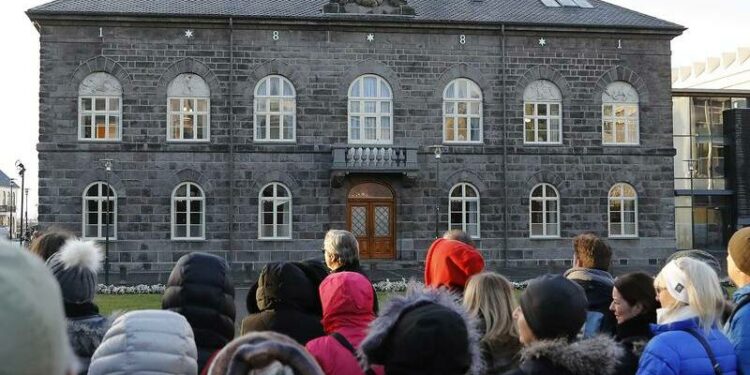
{"type": "Point", "coordinates": [321, 61]}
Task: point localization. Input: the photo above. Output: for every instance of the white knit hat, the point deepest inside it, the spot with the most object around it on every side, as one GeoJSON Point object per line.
{"type": "Point", "coordinates": [32, 321]}
{"type": "Point", "coordinates": [676, 281]}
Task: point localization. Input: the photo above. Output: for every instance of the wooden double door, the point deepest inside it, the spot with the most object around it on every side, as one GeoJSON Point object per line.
{"type": "Point", "coordinates": [371, 217]}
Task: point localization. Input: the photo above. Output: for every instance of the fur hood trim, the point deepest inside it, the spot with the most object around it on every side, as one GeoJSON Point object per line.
{"type": "Point", "coordinates": [599, 355]}
{"type": "Point", "coordinates": [83, 254]}
{"type": "Point", "coordinates": [418, 294]}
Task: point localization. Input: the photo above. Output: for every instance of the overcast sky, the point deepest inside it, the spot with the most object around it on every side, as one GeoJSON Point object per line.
{"type": "Point", "coordinates": [713, 27]}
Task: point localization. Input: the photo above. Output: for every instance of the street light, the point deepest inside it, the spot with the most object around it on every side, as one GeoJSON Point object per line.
{"type": "Point", "coordinates": [691, 169]}
{"type": "Point", "coordinates": [12, 208]}
{"type": "Point", "coordinates": [107, 168]}
{"type": "Point", "coordinates": [26, 213]}
{"type": "Point", "coordinates": [438, 151]}
{"type": "Point", "coordinates": [21, 171]}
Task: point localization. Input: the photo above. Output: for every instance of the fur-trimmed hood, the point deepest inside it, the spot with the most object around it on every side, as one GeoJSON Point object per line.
{"type": "Point", "coordinates": [595, 356]}
{"type": "Point", "coordinates": [440, 317]}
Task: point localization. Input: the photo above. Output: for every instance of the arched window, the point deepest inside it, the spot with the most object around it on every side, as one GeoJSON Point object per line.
{"type": "Point", "coordinates": [275, 110]}
{"type": "Point", "coordinates": [620, 114]}
{"type": "Point", "coordinates": [188, 118]}
{"type": "Point", "coordinates": [99, 108]}
{"type": "Point", "coordinates": [462, 112]}
{"type": "Point", "coordinates": [188, 212]}
{"type": "Point", "coordinates": [464, 209]}
{"type": "Point", "coordinates": [623, 211]}
{"type": "Point", "coordinates": [370, 111]}
{"type": "Point", "coordinates": [544, 211]}
{"type": "Point", "coordinates": [542, 113]}
{"type": "Point", "coordinates": [275, 212]}
{"type": "Point", "coordinates": [99, 211]}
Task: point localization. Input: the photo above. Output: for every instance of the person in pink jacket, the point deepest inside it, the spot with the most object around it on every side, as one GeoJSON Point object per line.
{"type": "Point", "coordinates": [347, 299]}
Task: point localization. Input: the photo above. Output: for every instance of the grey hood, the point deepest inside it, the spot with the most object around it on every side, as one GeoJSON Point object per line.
{"type": "Point", "coordinates": [590, 274]}
{"type": "Point", "coordinates": [596, 356]}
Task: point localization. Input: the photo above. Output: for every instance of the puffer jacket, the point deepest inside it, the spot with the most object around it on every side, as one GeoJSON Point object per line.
{"type": "Point", "coordinates": [285, 297]}
{"type": "Point", "coordinates": [347, 310]}
{"type": "Point", "coordinates": [450, 264]}
{"type": "Point", "coordinates": [595, 356]}
{"type": "Point", "coordinates": [673, 351]}
{"type": "Point", "coordinates": [200, 289]}
{"type": "Point", "coordinates": [598, 286]}
{"type": "Point", "coordinates": [737, 329]}
{"type": "Point", "coordinates": [85, 335]}
{"type": "Point", "coordinates": [146, 342]}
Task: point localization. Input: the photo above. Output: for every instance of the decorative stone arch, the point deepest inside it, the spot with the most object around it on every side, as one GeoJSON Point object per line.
{"type": "Point", "coordinates": [467, 176]}
{"type": "Point", "coordinates": [189, 65]}
{"type": "Point", "coordinates": [100, 175]}
{"type": "Point", "coordinates": [273, 67]}
{"type": "Point", "coordinates": [186, 175]}
{"type": "Point", "coordinates": [624, 74]}
{"type": "Point", "coordinates": [101, 64]}
{"type": "Point", "coordinates": [275, 176]}
{"type": "Point", "coordinates": [462, 71]}
{"type": "Point", "coordinates": [622, 176]}
{"type": "Point", "coordinates": [362, 67]}
{"type": "Point", "coordinates": [543, 73]}
{"type": "Point", "coordinates": [547, 177]}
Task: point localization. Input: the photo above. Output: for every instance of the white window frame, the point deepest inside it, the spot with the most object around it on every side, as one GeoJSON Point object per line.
{"type": "Point", "coordinates": [277, 201]}
{"type": "Point", "coordinates": [542, 92]}
{"type": "Point", "coordinates": [544, 199]}
{"type": "Point", "coordinates": [454, 102]}
{"type": "Point", "coordinates": [379, 99]}
{"type": "Point", "coordinates": [622, 199]}
{"type": "Point", "coordinates": [621, 95]}
{"type": "Point", "coordinates": [100, 212]}
{"type": "Point", "coordinates": [180, 89]}
{"type": "Point", "coordinates": [188, 199]}
{"type": "Point", "coordinates": [281, 113]}
{"type": "Point", "coordinates": [100, 86]}
{"type": "Point", "coordinates": [463, 199]}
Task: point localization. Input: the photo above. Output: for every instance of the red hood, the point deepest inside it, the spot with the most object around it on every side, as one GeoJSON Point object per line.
{"type": "Point", "coordinates": [347, 299]}
{"type": "Point", "coordinates": [450, 263]}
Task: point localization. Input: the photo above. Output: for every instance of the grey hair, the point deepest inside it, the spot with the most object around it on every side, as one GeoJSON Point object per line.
{"type": "Point", "coordinates": [459, 235]}
{"type": "Point", "coordinates": [343, 245]}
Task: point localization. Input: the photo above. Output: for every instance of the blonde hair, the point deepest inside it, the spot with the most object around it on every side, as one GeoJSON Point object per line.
{"type": "Point", "coordinates": [489, 297]}
{"type": "Point", "coordinates": [703, 291]}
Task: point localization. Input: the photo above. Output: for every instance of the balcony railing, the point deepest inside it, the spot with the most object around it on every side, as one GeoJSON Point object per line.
{"type": "Point", "coordinates": [374, 159]}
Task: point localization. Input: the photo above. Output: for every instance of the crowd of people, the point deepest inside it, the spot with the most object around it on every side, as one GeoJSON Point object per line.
{"type": "Point", "coordinates": [321, 317]}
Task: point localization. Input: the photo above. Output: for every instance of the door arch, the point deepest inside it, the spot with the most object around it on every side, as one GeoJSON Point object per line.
{"type": "Point", "coordinates": [371, 217]}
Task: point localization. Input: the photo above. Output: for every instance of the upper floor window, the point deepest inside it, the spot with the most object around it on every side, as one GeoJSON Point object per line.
{"type": "Point", "coordinates": [620, 114]}
{"type": "Point", "coordinates": [275, 212]}
{"type": "Point", "coordinates": [542, 113]}
{"type": "Point", "coordinates": [99, 211]}
{"type": "Point", "coordinates": [275, 110]}
{"type": "Point", "coordinates": [544, 211]}
{"type": "Point", "coordinates": [188, 212]}
{"type": "Point", "coordinates": [189, 108]}
{"type": "Point", "coordinates": [623, 211]}
{"type": "Point", "coordinates": [370, 111]}
{"type": "Point", "coordinates": [100, 108]}
{"type": "Point", "coordinates": [464, 209]}
{"type": "Point", "coordinates": [462, 112]}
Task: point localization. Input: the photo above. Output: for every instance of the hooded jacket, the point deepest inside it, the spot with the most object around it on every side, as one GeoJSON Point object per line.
{"type": "Point", "coordinates": [347, 310]}
{"type": "Point", "coordinates": [738, 329]}
{"type": "Point", "coordinates": [286, 299]}
{"type": "Point", "coordinates": [200, 289]}
{"type": "Point", "coordinates": [426, 331]}
{"type": "Point", "coordinates": [450, 263]}
{"type": "Point", "coordinates": [147, 341]}
{"type": "Point", "coordinates": [264, 353]}
{"type": "Point", "coordinates": [597, 285]}
{"type": "Point", "coordinates": [594, 356]}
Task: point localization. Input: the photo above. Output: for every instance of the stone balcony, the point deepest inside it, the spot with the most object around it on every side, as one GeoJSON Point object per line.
{"type": "Point", "coordinates": [349, 159]}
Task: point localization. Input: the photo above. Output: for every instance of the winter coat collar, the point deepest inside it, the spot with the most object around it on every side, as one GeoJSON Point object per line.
{"type": "Point", "coordinates": [590, 274]}
{"type": "Point", "coordinates": [679, 325]}
{"type": "Point", "coordinates": [80, 310]}
{"type": "Point", "coordinates": [741, 292]}
{"type": "Point", "coordinates": [636, 327]}
{"type": "Point", "coordinates": [596, 356]}
{"type": "Point", "coordinates": [665, 316]}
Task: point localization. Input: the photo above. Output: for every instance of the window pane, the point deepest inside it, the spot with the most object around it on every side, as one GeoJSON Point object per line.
{"type": "Point", "coordinates": [385, 107]}
{"type": "Point", "coordinates": [288, 105]}
{"type": "Point", "coordinates": [189, 105]}
{"type": "Point", "coordinates": [554, 110]}
{"type": "Point", "coordinates": [268, 191]}
{"type": "Point", "coordinates": [462, 89]}
{"type": "Point", "coordinates": [196, 231]}
{"type": "Point", "coordinates": [371, 87]}
{"type": "Point", "coordinates": [114, 122]}
{"type": "Point", "coordinates": [354, 106]}
{"type": "Point", "coordinates": [260, 122]}
{"type": "Point", "coordinates": [354, 128]}
{"type": "Point", "coordinates": [449, 129]}
{"type": "Point", "coordinates": [530, 135]}
{"type": "Point", "coordinates": [180, 231]}
{"type": "Point", "coordinates": [462, 129]}
{"type": "Point", "coordinates": [274, 105]}
{"type": "Point", "coordinates": [86, 104]}
{"type": "Point", "coordinates": [202, 105]}
{"type": "Point", "coordinates": [541, 109]}
{"type": "Point", "coordinates": [474, 108]}
{"type": "Point", "coordinates": [370, 124]}
{"type": "Point", "coordinates": [385, 91]}
{"type": "Point", "coordinates": [370, 107]}
{"type": "Point", "coordinates": [385, 128]}
{"type": "Point", "coordinates": [201, 126]}
{"type": "Point", "coordinates": [187, 129]}
{"type": "Point", "coordinates": [288, 89]}
{"type": "Point", "coordinates": [195, 206]}
{"type": "Point", "coordinates": [475, 129]}
{"type": "Point", "coordinates": [461, 108]}
{"type": "Point", "coordinates": [180, 218]}
{"type": "Point", "coordinates": [354, 91]}
{"type": "Point", "coordinates": [262, 88]}
{"type": "Point", "coordinates": [260, 105]}
{"type": "Point", "coordinates": [537, 230]}
{"type": "Point", "coordinates": [195, 218]}
{"type": "Point", "coordinates": [449, 108]}
{"type": "Point", "coordinates": [100, 104]}
{"type": "Point", "coordinates": [114, 104]}
{"type": "Point", "coordinates": [101, 126]}
{"type": "Point", "coordinates": [607, 110]}
{"type": "Point", "coordinates": [275, 127]}
{"type": "Point", "coordinates": [552, 229]}
{"type": "Point", "coordinates": [608, 135]}
{"type": "Point", "coordinates": [288, 126]}
{"type": "Point", "coordinates": [275, 88]}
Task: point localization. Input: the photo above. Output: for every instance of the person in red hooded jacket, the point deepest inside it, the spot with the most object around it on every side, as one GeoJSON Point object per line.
{"type": "Point", "coordinates": [347, 299]}
{"type": "Point", "coordinates": [450, 263]}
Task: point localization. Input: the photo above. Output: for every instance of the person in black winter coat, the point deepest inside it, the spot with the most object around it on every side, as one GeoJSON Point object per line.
{"type": "Point", "coordinates": [634, 305]}
{"type": "Point", "coordinates": [287, 300]}
{"type": "Point", "coordinates": [200, 288]}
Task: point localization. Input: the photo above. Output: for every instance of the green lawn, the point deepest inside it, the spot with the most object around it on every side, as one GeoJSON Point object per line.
{"type": "Point", "coordinates": [127, 302]}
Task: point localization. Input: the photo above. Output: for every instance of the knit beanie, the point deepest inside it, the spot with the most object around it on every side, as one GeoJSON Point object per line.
{"type": "Point", "coordinates": [739, 249]}
{"type": "Point", "coordinates": [451, 263]}
{"type": "Point", "coordinates": [32, 322]}
{"type": "Point", "coordinates": [264, 353]}
{"type": "Point", "coordinates": [554, 307]}
{"type": "Point", "coordinates": [75, 267]}
{"type": "Point", "coordinates": [676, 281]}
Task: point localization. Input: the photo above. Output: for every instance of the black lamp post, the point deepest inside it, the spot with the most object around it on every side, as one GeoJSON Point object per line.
{"type": "Point", "coordinates": [107, 168]}
{"type": "Point", "coordinates": [12, 208]}
{"type": "Point", "coordinates": [21, 171]}
{"type": "Point", "coordinates": [691, 170]}
{"type": "Point", "coordinates": [438, 150]}
{"type": "Point", "coordinates": [26, 213]}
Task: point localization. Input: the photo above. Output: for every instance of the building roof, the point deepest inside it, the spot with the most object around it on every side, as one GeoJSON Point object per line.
{"type": "Point", "coordinates": [731, 71]}
{"type": "Point", "coordinates": [518, 12]}
{"type": "Point", "coordinates": [5, 181]}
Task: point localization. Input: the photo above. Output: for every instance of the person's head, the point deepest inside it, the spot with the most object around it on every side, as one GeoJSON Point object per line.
{"type": "Point", "coordinates": [689, 282]}
{"type": "Point", "coordinates": [551, 307]}
{"type": "Point", "coordinates": [449, 264]}
{"type": "Point", "coordinates": [489, 297]}
{"type": "Point", "coordinates": [590, 251]}
{"type": "Point", "coordinates": [49, 243]}
{"type": "Point", "coordinates": [264, 353]}
{"type": "Point", "coordinates": [75, 267]}
{"type": "Point", "coordinates": [459, 235]}
{"type": "Point", "coordinates": [346, 296]}
{"type": "Point", "coordinates": [738, 257]}
{"type": "Point", "coordinates": [32, 321]}
{"type": "Point", "coordinates": [340, 248]}
{"type": "Point", "coordinates": [633, 295]}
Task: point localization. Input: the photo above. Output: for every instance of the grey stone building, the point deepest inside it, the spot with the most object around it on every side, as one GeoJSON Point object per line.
{"type": "Point", "coordinates": [249, 128]}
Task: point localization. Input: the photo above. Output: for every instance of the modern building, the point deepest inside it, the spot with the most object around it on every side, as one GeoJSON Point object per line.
{"type": "Point", "coordinates": [249, 128]}
{"type": "Point", "coordinates": [8, 199]}
{"type": "Point", "coordinates": [711, 158]}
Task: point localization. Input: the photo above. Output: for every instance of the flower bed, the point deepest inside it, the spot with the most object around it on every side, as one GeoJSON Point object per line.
{"type": "Point", "coordinates": [137, 289]}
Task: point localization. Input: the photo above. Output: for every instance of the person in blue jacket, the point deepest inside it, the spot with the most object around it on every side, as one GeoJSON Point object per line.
{"type": "Point", "coordinates": [687, 339]}
{"type": "Point", "coordinates": [737, 327]}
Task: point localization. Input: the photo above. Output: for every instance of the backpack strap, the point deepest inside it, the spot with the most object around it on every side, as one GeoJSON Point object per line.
{"type": "Point", "coordinates": [702, 340]}
{"type": "Point", "coordinates": [346, 344]}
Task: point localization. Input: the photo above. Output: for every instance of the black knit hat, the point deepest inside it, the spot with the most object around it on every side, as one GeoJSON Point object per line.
{"type": "Point", "coordinates": [554, 307]}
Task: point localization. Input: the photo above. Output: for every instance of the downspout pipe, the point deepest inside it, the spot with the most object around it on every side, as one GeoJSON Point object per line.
{"type": "Point", "coordinates": [504, 255]}
{"type": "Point", "coordinates": [232, 250]}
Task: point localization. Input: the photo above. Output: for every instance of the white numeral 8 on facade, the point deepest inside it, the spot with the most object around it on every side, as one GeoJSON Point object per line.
{"type": "Point", "coordinates": [462, 39]}
{"type": "Point", "coordinates": [275, 35]}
